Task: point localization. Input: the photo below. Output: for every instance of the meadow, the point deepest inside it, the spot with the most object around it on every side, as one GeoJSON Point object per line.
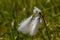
{"type": "Point", "coordinates": [12, 12]}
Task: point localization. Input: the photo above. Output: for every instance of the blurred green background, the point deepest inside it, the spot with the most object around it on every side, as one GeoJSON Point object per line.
{"type": "Point", "coordinates": [12, 12]}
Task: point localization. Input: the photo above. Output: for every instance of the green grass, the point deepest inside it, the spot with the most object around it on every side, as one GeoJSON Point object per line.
{"type": "Point", "coordinates": [12, 12]}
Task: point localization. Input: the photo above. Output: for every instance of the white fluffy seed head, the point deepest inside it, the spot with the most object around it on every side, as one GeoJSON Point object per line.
{"type": "Point", "coordinates": [36, 10]}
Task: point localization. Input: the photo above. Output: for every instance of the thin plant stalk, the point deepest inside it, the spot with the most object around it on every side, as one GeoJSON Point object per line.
{"type": "Point", "coordinates": [46, 27]}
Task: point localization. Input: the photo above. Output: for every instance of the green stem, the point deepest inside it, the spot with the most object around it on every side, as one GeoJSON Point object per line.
{"type": "Point", "coordinates": [46, 27]}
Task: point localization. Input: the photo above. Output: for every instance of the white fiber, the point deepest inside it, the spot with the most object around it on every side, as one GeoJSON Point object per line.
{"type": "Point", "coordinates": [33, 26]}
{"type": "Point", "coordinates": [24, 26]}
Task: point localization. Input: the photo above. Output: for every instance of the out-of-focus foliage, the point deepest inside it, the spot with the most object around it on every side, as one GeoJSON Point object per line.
{"type": "Point", "coordinates": [12, 12]}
